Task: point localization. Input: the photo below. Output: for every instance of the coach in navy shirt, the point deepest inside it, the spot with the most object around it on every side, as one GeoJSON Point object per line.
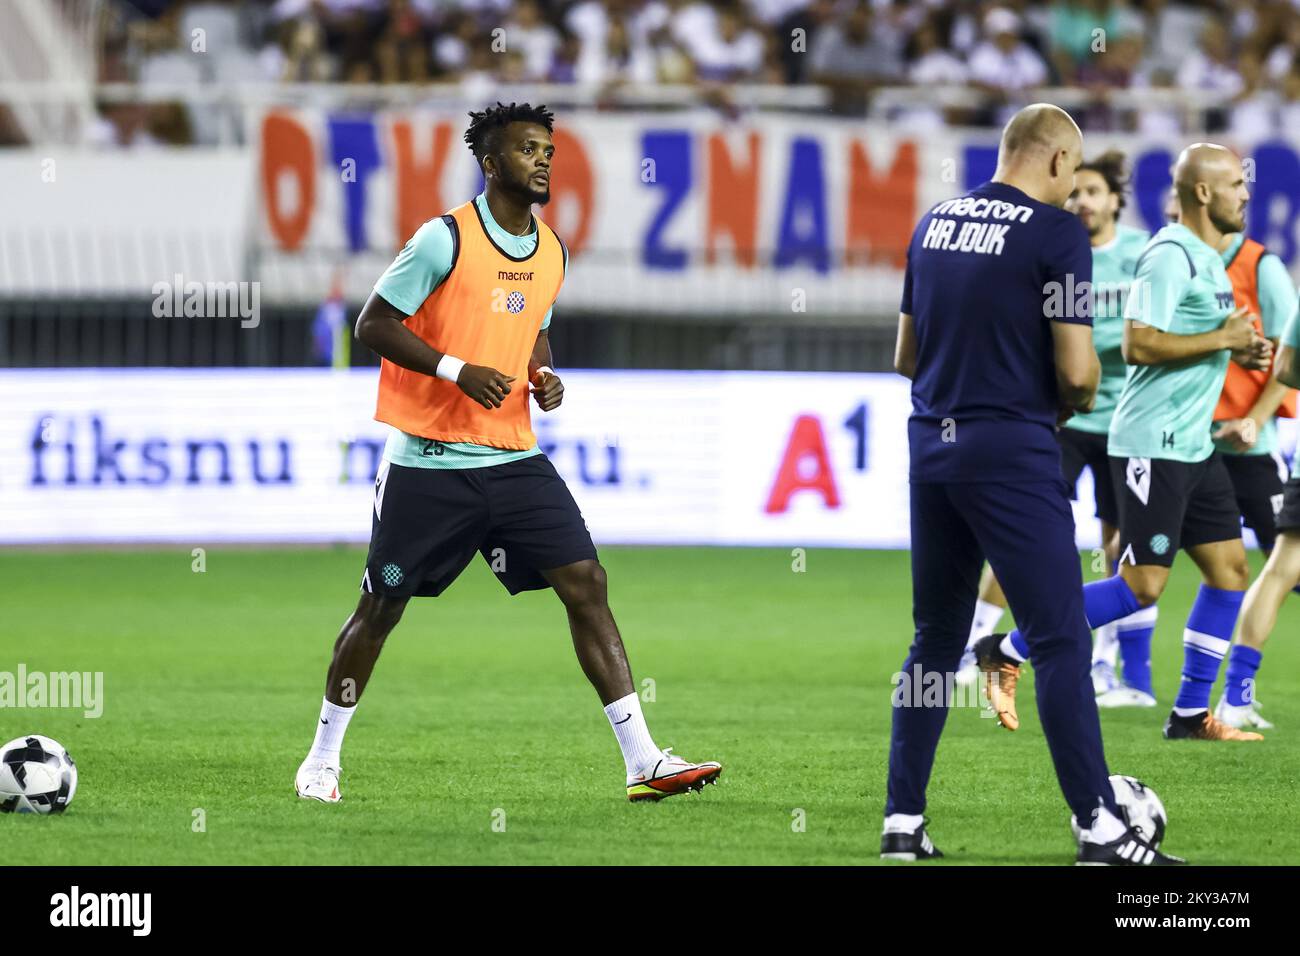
{"type": "Point", "coordinates": [995, 332]}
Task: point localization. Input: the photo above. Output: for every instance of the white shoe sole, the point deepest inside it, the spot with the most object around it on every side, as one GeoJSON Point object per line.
{"type": "Point", "coordinates": [312, 796]}
{"type": "Point", "coordinates": [1117, 698]}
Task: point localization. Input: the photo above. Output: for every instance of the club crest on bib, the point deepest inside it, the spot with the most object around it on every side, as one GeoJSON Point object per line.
{"type": "Point", "coordinates": [515, 303]}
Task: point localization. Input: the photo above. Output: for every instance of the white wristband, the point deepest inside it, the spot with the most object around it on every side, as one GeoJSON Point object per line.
{"type": "Point", "coordinates": [449, 368]}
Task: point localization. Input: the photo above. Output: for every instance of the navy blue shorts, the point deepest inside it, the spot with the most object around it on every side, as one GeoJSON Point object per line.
{"type": "Point", "coordinates": [1079, 450]}
{"type": "Point", "coordinates": [1166, 505]}
{"type": "Point", "coordinates": [429, 522]}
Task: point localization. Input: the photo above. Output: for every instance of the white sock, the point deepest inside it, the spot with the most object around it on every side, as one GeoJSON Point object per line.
{"type": "Point", "coordinates": [986, 619]}
{"type": "Point", "coordinates": [633, 736]}
{"type": "Point", "coordinates": [1105, 649]}
{"type": "Point", "coordinates": [331, 727]}
{"type": "Point", "coordinates": [903, 822]}
{"type": "Point", "coordinates": [1009, 649]}
{"type": "Point", "coordinates": [1105, 827]}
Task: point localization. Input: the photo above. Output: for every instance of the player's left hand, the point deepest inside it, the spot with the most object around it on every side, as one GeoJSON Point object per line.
{"type": "Point", "coordinates": [548, 390]}
{"type": "Point", "coordinates": [1239, 433]}
{"type": "Point", "coordinates": [1258, 357]}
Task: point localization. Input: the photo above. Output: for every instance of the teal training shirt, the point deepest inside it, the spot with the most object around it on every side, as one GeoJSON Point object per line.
{"type": "Point", "coordinates": [1277, 303]}
{"type": "Point", "coordinates": [422, 264]}
{"type": "Point", "coordinates": [1291, 337]}
{"type": "Point", "coordinates": [1113, 266]}
{"type": "Point", "coordinates": [1165, 411]}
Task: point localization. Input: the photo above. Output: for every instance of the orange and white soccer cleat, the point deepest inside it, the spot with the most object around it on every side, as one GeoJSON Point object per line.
{"type": "Point", "coordinates": [667, 775]}
{"type": "Point", "coordinates": [1002, 674]}
{"type": "Point", "coordinates": [1204, 727]}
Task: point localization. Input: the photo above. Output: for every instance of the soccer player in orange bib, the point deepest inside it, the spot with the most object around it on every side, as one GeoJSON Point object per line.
{"type": "Point", "coordinates": [461, 321]}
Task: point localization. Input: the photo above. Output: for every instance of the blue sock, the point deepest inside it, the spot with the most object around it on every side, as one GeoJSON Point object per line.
{"type": "Point", "coordinates": [1103, 602]}
{"type": "Point", "coordinates": [1205, 642]}
{"type": "Point", "coordinates": [1239, 683]}
{"type": "Point", "coordinates": [1134, 635]}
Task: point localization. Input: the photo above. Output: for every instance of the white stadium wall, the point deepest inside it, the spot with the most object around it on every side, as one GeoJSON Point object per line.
{"type": "Point", "coordinates": [205, 457]}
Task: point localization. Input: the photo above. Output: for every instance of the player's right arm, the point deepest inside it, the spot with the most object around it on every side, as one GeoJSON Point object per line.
{"type": "Point", "coordinates": [1163, 278]}
{"type": "Point", "coordinates": [1285, 369]}
{"type": "Point", "coordinates": [905, 347]}
{"type": "Point", "coordinates": [424, 261]}
{"type": "Point", "coordinates": [1067, 261]}
{"type": "Point", "coordinates": [1078, 370]}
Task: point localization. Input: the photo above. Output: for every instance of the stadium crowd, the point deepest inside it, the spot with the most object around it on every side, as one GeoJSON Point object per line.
{"type": "Point", "coordinates": [1243, 54]}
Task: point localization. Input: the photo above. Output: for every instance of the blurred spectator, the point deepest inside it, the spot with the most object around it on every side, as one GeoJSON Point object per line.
{"type": "Point", "coordinates": [930, 64]}
{"type": "Point", "coordinates": [604, 59]}
{"type": "Point", "coordinates": [770, 13]}
{"type": "Point", "coordinates": [299, 55]}
{"type": "Point", "coordinates": [619, 61]}
{"type": "Point", "coordinates": [1078, 29]}
{"type": "Point", "coordinates": [1238, 52]}
{"type": "Point", "coordinates": [1289, 111]}
{"type": "Point", "coordinates": [1254, 111]}
{"type": "Point", "coordinates": [1210, 69]}
{"type": "Point", "coordinates": [729, 50]}
{"type": "Point", "coordinates": [1003, 63]}
{"type": "Point", "coordinates": [452, 47]}
{"type": "Point", "coordinates": [402, 50]}
{"type": "Point", "coordinates": [796, 35]}
{"type": "Point", "coordinates": [564, 65]}
{"type": "Point", "coordinates": [1171, 31]}
{"type": "Point", "coordinates": [1282, 53]}
{"type": "Point", "coordinates": [848, 58]}
{"type": "Point", "coordinates": [933, 64]}
{"type": "Point", "coordinates": [531, 35]}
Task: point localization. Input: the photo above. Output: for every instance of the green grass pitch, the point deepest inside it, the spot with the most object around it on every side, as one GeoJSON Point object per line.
{"type": "Point", "coordinates": [480, 742]}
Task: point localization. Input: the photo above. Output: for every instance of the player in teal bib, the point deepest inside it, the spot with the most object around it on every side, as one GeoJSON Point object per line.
{"type": "Point", "coordinates": [1277, 303]}
{"type": "Point", "coordinates": [1281, 574]}
{"type": "Point", "coordinates": [423, 263]}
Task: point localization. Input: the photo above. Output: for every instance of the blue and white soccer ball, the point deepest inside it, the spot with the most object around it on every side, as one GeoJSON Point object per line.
{"type": "Point", "coordinates": [36, 776]}
{"type": "Point", "coordinates": [1140, 806]}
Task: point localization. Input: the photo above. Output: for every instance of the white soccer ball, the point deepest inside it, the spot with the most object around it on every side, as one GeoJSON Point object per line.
{"type": "Point", "coordinates": [36, 776]}
{"type": "Point", "coordinates": [1140, 807]}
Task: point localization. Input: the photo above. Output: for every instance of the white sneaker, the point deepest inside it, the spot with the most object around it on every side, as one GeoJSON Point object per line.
{"type": "Point", "coordinates": [1247, 715]}
{"type": "Point", "coordinates": [1103, 677]}
{"type": "Point", "coordinates": [667, 775]}
{"type": "Point", "coordinates": [317, 780]}
{"type": "Point", "coordinates": [967, 669]}
{"type": "Point", "coordinates": [1125, 696]}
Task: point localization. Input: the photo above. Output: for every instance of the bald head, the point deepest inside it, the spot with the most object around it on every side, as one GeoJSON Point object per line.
{"type": "Point", "coordinates": [1041, 148]}
{"type": "Point", "coordinates": [1211, 187]}
{"type": "Point", "coordinates": [1038, 128]}
{"type": "Point", "coordinates": [1201, 163]}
